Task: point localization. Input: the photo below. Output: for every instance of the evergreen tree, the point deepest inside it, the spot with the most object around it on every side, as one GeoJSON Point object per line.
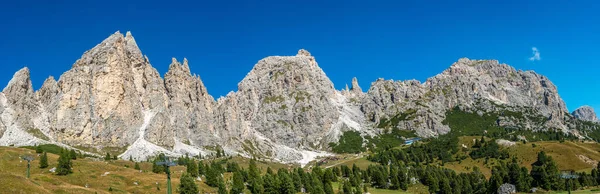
{"type": "Point", "coordinates": [221, 185]}
{"type": "Point", "coordinates": [394, 178]}
{"type": "Point", "coordinates": [597, 177]}
{"type": "Point", "coordinates": [44, 160]}
{"type": "Point", "coordinates": [317, 185]}
{"type": "Point", "coordinates": [107, 157]}
{"type": "Point", "coordinates": [433, 183]}
{"type": "Point", "coordinates": [115, 157]}
{"type": "Point", "coordinates": [524, 182]}
{"type": "Point", "coordinates": [232, 167]}
{"type": "Point", "coordinates": [347, 188]}
{"type": "Point", "coordinates": [192, 169]}
{"type": "Point", "coordinates": [212, 176]}
{"type": "Point", "coordinates": [377, 177]}
{"type": "Point", "coordinates": [187, 185]}
{"type": "Point", "coordinates": [238, 183]}
{"type": "Point", "coordinates": [495, 181]}
{"type": "Point", "coordinates": [73, 155]}
{"type": "Point", "coordinates": [155, 167]}
{"type": "Point", "coordinates": [328, 176]}
{"type": "Point", "coordinates": [544, 172]}
{"type": "Point", "coordinates": [201, 169]}
{"type": "Point", "coordinates": [38, 149]}
{"type": "Point", "coordinates": [403, 177]}
{"type": "Point", "coordinates": [130, 158]}
{"type": "Point", "coordinates": [445, 186]}
{"type": "Point", "coordinates": [286, 184]}
{"type": "Point", "coordinates": [254, 178]}
{"type": "Point", "coordinates": [64, 164]}
{"type": "Point", "coordinates": [297, 178]}
{"type": "Point", "coordinates": [270, 184]}
{"type": "Point", "coordinates": [328, 188]}
{"type": "Point", "coordinates": [137, 166]}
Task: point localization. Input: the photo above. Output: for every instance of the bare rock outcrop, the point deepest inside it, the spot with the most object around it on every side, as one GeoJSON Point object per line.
{"type": "Point", "coordinates": [585, 113]}
{"type": "Point", "coordinates": [285, 109]}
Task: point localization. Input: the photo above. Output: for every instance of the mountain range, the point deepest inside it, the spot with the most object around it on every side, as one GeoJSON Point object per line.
{"type": "Point", "coordinates": [286, 109]}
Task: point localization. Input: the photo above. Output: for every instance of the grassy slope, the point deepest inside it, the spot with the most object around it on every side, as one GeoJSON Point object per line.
{"type": "Point", "coordinates": [565, 154]}
{"type": "Point", "coordinates": [86, 171]}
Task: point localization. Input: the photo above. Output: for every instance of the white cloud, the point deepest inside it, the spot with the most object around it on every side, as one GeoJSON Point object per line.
{"type": "Point", "coordinates": [536, 54]}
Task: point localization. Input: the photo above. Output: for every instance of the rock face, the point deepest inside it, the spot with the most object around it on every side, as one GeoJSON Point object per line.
{"type": "Point", "coordinates": [285, 109]}
{"type": "Point", "coordinates": [470, 84]}
{"type": "Point", "coordinates": [585, 113]}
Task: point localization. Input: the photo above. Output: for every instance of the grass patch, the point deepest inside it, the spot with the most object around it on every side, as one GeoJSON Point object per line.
{"type": "Point", "coordinates": [50, 148]}
{"type": "Point", "coordinates": [38, 133]}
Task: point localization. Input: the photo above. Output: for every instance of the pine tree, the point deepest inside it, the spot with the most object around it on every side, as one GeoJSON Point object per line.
{"type": "Point", "coordinates": [64, 164]}
{"type": "Point", "coordinates": [597, 177]}
{"type": "Point", "coordinates": [137, 166]}
{"type": "Point", "coordinates": [524, 181]}
{"type": "Point", "coordinates": [255, 184]}
{"type": "Point", "coordinates": [238, 183]}
{"type": "Point", "coordinates": [38, 149]}
{"type": "Point", "coordinates": [115, 157]}
{"type": "Point", "coordinates": [286, 184]}
{"type": "Point", "coordinates": [201, 169]}
{"type": "Point", "coordinates": [73, 155]}
{"type": "Point", "coordinates": [446, 189]}
{"type": "Point", "coordinates": [107, 157]}
{"type": "Point", "coordinates": [317, 185]}
{"type": "Point", "coordinates": [187, 185]}
{"type": "Point", "coordinates": [155, 167]}
{"type": "Point", "coordinates": [297, 178]}
{"type": "Point", "coordinates": [212, 176]}
{"type": "Point", "coordinates": [270, 184]}
{"type": "Point", "coordinates": [44, 160]}
{"type": "Point", "coordinates": [402, 177]}
{"type": "Point", "coordinates": [394, 178]}
{"type": "Point", "coordinates": [192, 168]}
{"type": "Point", "coordinates": [130, 158]}
{"type": "Point", "coordinates": [347, 188]}
{"type": "Point", "coordinates": [433, 183]}
{"type": "Point", "coordinates": [328, 188]}
{"type": "Point", "coordinates": [221, 185]}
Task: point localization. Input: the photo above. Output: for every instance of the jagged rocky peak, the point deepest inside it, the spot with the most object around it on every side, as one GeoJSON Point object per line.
{"type": "Point", "coordinates": [288, 99]}
{"type": "Point", "coordinates": [190, 104]}
{"type": "Point", "coordinates": [111, 49]}
{"type": "Point", "coordinates": [355, 86]}
{"type": "Point", "coordinates": [19, 85]}
{"type": "Point", "coordinates": [177, 67]}
{"type": "Point", "coordinates": [48, 91]}
{"type": "Point", "coordinates": [131, 45]}
{"type": "Point", "coordinates": [585, 113]}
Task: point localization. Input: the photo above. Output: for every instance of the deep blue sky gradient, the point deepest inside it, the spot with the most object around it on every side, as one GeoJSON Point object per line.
{"type": "Point", "coordinates": [412, 39]}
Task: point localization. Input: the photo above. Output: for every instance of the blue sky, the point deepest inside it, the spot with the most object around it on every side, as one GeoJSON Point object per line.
{"type": "Point", "coordinates": [412, 39]}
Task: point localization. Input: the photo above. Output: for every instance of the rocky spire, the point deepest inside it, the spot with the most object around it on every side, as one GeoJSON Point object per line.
{"type": "Point", "coordinates": [132, 46]}
{"type": "Point", "coordinates": [48, 91]}
{"type": "Point", "coordinates": [585, 113]}
{"type": "Point", "coordinates": [355, 86]}
{"type": "Point", "coordinates": [19, 85]}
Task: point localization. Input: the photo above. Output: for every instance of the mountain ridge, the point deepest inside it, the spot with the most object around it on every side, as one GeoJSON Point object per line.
{"type": "Point", "coordinates": [285, 108]}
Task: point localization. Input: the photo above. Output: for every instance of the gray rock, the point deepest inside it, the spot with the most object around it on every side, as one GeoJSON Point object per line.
{"type": "Point", "coordinates": [285, 109]}
{"type": "Point", "coordinates": [507, 189]}
{"type": "Point", "coordinates": [585, 113]}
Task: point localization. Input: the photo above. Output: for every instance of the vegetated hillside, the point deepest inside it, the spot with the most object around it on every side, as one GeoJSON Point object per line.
{"type": "Point", "coordinates": [99, 176]}
{"type": "Point", "coordinates": [93, 175]}
{"type": "Point", "coordinates": [569, 155]}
